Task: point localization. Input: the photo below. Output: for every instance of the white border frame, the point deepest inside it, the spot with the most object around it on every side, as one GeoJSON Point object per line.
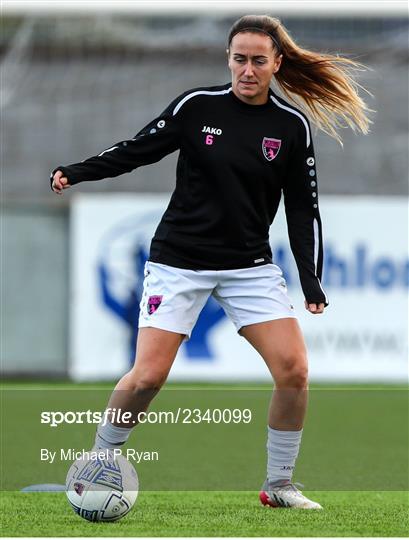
{"type": "Point", "coordinates": [305, 8]}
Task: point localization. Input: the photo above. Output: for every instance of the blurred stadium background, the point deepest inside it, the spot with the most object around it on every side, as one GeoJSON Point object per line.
{"type": "Point", "coordinates": [71, 85]}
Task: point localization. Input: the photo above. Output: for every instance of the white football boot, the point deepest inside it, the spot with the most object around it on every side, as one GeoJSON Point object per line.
{"type": "Point", "coordinates": [285, 494]}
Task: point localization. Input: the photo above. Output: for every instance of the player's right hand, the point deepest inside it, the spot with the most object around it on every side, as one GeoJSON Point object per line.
{"type": "Point", "coordinates": [60, 182]}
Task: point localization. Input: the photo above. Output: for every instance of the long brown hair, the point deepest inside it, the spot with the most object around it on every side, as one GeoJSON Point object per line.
{"type": "Point", "coordinates": [323, 85]}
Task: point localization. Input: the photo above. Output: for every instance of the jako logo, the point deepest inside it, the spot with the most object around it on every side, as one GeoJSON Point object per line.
{"type": "Point", "coordinates": [212, 130]}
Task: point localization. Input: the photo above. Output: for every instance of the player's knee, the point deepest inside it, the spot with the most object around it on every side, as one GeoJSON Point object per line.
{"type": "Point", "coordinates": [147, 380]}
{"type": "Point", "coordinates": [151, 382]}
{"type": "Point", "coordinates": [293, 371]}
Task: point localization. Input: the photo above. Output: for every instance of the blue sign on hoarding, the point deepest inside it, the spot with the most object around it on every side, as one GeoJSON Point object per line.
{"type": "Point", "coordinates": [359, 269]}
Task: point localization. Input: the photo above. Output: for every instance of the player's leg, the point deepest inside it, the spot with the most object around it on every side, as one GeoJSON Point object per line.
{"type": "Point", "coordinates": [281, 344]}
{"type": "Point", "coordinates": [155, 353]}
{"type": "Point", "coordinates": [257, 302]}
{"type": "Point", "coordinates": [171, 302]}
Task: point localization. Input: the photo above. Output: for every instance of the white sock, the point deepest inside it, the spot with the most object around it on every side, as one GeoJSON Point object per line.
{"type": "Point", "coordinates": [109, 436]}
{"type": "Point", "coordinates": [282, 452]}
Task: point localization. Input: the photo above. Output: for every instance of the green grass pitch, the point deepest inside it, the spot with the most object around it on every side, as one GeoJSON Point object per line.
{"type": "Point", "coordinates": [213, 514]}
{"type": "Point", "coordinates": [353, 460]}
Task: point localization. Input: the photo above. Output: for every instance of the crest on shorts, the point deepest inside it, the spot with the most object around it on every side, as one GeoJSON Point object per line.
{"type": "Point", "coordinates": [153, 303]}
{"type": "Point", "coordinates": [271, 147]}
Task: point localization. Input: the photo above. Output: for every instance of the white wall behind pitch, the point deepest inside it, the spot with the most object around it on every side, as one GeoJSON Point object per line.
{"type": "Point", "coordinates": [361, 336]}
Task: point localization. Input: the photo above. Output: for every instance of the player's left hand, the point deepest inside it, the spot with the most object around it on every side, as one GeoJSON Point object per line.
{"type": "Point", "coordinates": [314, 308]}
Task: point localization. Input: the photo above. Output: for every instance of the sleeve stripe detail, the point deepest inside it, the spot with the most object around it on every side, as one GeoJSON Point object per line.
{"type": "Point", "coordinates": [197, 93]}
{"type": "Point", "coordinates": [323, 292]}
{"type": "Point", "coordinates": [316, 252]}
{"type": "Point", "coordinates": [304, 121]}
{"type": "Point", "coordinates": [316, 244]}
{"type": "Point", "coordinates": [107, 150]}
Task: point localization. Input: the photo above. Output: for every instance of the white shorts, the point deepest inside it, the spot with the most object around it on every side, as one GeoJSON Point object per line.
{"type": "Point", "coordinates": [173, 298]}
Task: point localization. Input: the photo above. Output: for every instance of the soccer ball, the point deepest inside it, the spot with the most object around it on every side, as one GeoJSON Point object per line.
{"type": "Point", "coordinates": [102, 489]}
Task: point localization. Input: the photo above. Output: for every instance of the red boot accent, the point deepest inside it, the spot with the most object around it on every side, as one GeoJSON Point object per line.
{"type": "Point", "coordinates": [266, 501]}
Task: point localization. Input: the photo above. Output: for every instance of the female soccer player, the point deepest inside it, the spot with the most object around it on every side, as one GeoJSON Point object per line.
{"type": "Point", "coordinates": [240, 145]}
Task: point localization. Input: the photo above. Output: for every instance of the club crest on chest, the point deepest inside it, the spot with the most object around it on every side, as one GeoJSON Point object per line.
{"type": "Point", "coordinates": [270, 147]}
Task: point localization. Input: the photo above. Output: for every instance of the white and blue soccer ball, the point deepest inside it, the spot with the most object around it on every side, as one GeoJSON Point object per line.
{"type": "Point", "coordinates": [102, 489]}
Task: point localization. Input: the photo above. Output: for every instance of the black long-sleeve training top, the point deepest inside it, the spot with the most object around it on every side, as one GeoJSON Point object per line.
{"type": "Point", "coordinates": [235, 160]}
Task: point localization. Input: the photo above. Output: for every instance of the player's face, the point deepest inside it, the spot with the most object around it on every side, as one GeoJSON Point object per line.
{"type": "Point", "coordinates": [252, 62]}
